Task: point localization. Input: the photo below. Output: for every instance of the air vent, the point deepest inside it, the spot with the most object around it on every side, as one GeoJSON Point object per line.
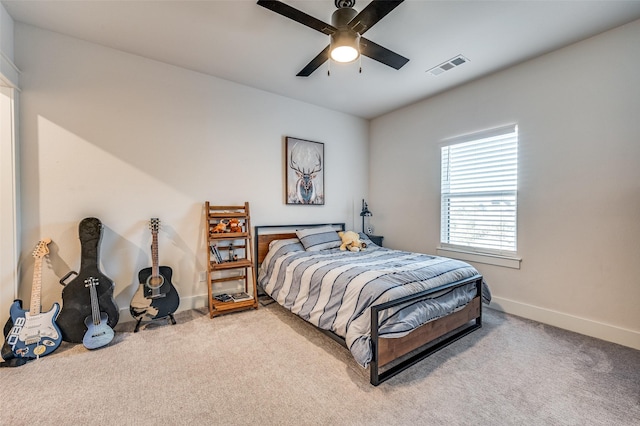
{"type": "Point", "coordinates": [448, 65]}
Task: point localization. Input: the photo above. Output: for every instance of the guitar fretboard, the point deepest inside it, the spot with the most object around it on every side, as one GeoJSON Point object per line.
{"type": "Point", "coordinates": [155, 269]}
{"type": "Point", "coordinates": [36, 287]}
{"type": "Point", "coordinates": [92, 282]}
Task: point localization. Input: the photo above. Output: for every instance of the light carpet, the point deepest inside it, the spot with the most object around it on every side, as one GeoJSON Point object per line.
{"type": "Point", "coordinates": [268, 367]}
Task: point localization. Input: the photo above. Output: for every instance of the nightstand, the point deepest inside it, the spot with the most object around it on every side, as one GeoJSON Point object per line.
{"type": "Point", "coordinates": [376, 239]}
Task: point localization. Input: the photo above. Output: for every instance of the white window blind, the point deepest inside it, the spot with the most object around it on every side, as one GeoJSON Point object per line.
{"type": "Point", "coordinates": [479, 191]}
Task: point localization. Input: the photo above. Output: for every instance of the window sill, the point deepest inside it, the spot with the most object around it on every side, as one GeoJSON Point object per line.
{"type": "Point", "coordinates": [489, 259]}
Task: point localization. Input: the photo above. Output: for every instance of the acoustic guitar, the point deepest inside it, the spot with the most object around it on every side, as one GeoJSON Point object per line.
{"type": "Point", "coordinates": [156, 296]}
{"type": "Point", "coordinates": [76, 300]}
{"type": "Point", "coordinates": [34, 334]}
{"type": "Point", "coordinates": [98, 331]}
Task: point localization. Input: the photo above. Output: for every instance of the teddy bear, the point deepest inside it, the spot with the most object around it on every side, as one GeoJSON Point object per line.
{"type": "Point", "coordinates": [234, 225]}
{"type": "Point", "coordinates": [219, 228]}
{"type": "Point", "coordinates": [351, 241]}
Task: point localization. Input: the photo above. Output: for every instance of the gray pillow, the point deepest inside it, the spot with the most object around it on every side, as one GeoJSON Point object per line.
{"type": "Point", "coordinates": [320, 238]}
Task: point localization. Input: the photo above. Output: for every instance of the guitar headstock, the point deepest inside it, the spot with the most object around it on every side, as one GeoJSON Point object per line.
{"type": "Point", "coordinates": [91, 282]}
{"type": "Point", "coordinates": [154, 225]}
{"type": "Point", "coordinates": [41, 249]}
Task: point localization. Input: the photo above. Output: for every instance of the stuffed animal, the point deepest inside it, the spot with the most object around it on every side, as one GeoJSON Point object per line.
{"type": "Point", "coordinates": [219, 228]}
{"type": "Point", "coordinates": [234, 225]}
{"type": "Point", "coordinates": [351, 241]}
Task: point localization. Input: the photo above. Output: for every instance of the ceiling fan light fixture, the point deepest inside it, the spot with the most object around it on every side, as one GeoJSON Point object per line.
{"type": "Point", "coordinates": [345, 46]}
{"type": "Point", "coordinates": [345, 31]}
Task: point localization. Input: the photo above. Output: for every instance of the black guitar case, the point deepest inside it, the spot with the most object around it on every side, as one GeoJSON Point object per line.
{"type": "Point", "coordinates": [76, 297]}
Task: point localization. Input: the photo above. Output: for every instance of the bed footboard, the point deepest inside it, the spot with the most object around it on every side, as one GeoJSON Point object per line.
{"type": "Point", "coordinates": [393, 355]}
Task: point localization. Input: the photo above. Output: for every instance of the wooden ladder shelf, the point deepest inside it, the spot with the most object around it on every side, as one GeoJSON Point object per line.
{"type": "Point", "coordinates": [229, 256]}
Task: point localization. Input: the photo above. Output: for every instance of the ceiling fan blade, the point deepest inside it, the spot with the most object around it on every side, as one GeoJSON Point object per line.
{"type": "Point", "coordinates": [370, 15]}
{"type": "Point", "coordinates": [315, 63]}
{"type": "Point", "coordinates": [297, 15]}
{"type": "Point", "coordinates": [381, 54]}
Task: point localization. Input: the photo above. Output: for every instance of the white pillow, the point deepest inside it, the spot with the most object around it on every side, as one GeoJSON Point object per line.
{"type": "Point", "coordinates": [320, 238]}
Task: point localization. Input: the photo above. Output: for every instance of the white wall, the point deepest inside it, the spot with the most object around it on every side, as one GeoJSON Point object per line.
{"type": "Point", "coordinates": [578, 111]}
{"type": "Point", "coordinates": [123, 138]}
{"type": "Point", "coordinates": [8, 159]}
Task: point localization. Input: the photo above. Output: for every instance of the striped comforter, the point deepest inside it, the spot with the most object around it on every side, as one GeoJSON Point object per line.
{"type": "Point", "coordinates": [334, 289]}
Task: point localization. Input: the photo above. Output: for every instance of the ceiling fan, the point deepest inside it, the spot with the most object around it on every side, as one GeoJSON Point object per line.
{"type": "Point", "coordinates": [345, 32]}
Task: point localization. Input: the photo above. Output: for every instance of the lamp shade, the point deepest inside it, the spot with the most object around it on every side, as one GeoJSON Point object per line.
{"type": "Point", "coordinates": [345, 42]}
{"type": "Point", "coordinates": [345, 45]}
{"type": "Point", "coordinates": [365, 210]}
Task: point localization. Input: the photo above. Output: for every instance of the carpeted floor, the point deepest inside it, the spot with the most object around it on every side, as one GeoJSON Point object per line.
{"type": "Point", "coordinates": [269, 367]}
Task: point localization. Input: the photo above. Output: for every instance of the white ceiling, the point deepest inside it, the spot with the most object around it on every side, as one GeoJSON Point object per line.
{"type": "Point", "coordinates": [240, 41]}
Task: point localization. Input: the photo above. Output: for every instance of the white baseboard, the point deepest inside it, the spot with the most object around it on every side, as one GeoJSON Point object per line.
{"type": "Point", "coordinates": [186, 303]}
{"type": "Point", "coordinates": [610, 333]}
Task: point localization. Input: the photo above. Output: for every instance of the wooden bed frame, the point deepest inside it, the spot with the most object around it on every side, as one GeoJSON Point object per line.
{"type": "Point", "coordinates": [393, 355]}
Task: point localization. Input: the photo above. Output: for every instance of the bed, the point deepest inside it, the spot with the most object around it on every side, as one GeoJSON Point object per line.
{"type": "Point", "coordinates": [390, 308]}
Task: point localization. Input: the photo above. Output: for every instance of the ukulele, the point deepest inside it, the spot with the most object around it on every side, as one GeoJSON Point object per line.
{"type": "Point", "coordinates": [156, 297]}
{"type": "Point", "coordinates": [76, 301]}
{"type": "Point", "coordinates": [34, 334]}
{"type": "Point", "coordinates": [98, 331]}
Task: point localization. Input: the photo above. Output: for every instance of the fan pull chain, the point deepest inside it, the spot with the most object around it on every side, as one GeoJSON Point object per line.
{"type": "Point", "coordinates": [329, 68]}
{"type": "Point", "coordinates": [360, 64]}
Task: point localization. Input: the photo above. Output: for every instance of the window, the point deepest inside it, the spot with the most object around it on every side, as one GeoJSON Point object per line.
{"type": "Point", "coordinates": [479, 187]}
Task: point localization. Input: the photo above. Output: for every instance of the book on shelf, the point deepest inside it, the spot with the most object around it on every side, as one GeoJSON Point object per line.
{"type": "Point", "coordinates": [216, 253]}
{"type": "Point", "coordinates": [238, 297]}
{"type": "Point", "coordinates": [224, 297]}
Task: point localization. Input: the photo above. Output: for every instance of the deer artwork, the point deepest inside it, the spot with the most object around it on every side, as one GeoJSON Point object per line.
{"type": "Point", "coordinates": [307, 164]}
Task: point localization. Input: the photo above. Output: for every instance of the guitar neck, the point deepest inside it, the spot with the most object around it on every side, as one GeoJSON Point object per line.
{"type": "Point", "coordinates": [95, 307]}
{"type": "Point", "coordinates": [155, 269]}
{"type": "Point", "coordinates": [36, 287]}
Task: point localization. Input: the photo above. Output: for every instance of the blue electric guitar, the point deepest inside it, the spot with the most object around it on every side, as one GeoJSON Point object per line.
{"type": "Point", "coordinates": [99, 333]}
{"type": "Point", "coordinates": [34, 334]}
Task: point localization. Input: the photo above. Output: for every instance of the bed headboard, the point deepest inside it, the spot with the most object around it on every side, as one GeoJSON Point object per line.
{"type": "Point", "coordinates": [267, 233]}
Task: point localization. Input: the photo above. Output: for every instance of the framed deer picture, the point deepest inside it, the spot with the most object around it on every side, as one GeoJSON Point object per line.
{"type": "Point", "coordinates": [304, 171]}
